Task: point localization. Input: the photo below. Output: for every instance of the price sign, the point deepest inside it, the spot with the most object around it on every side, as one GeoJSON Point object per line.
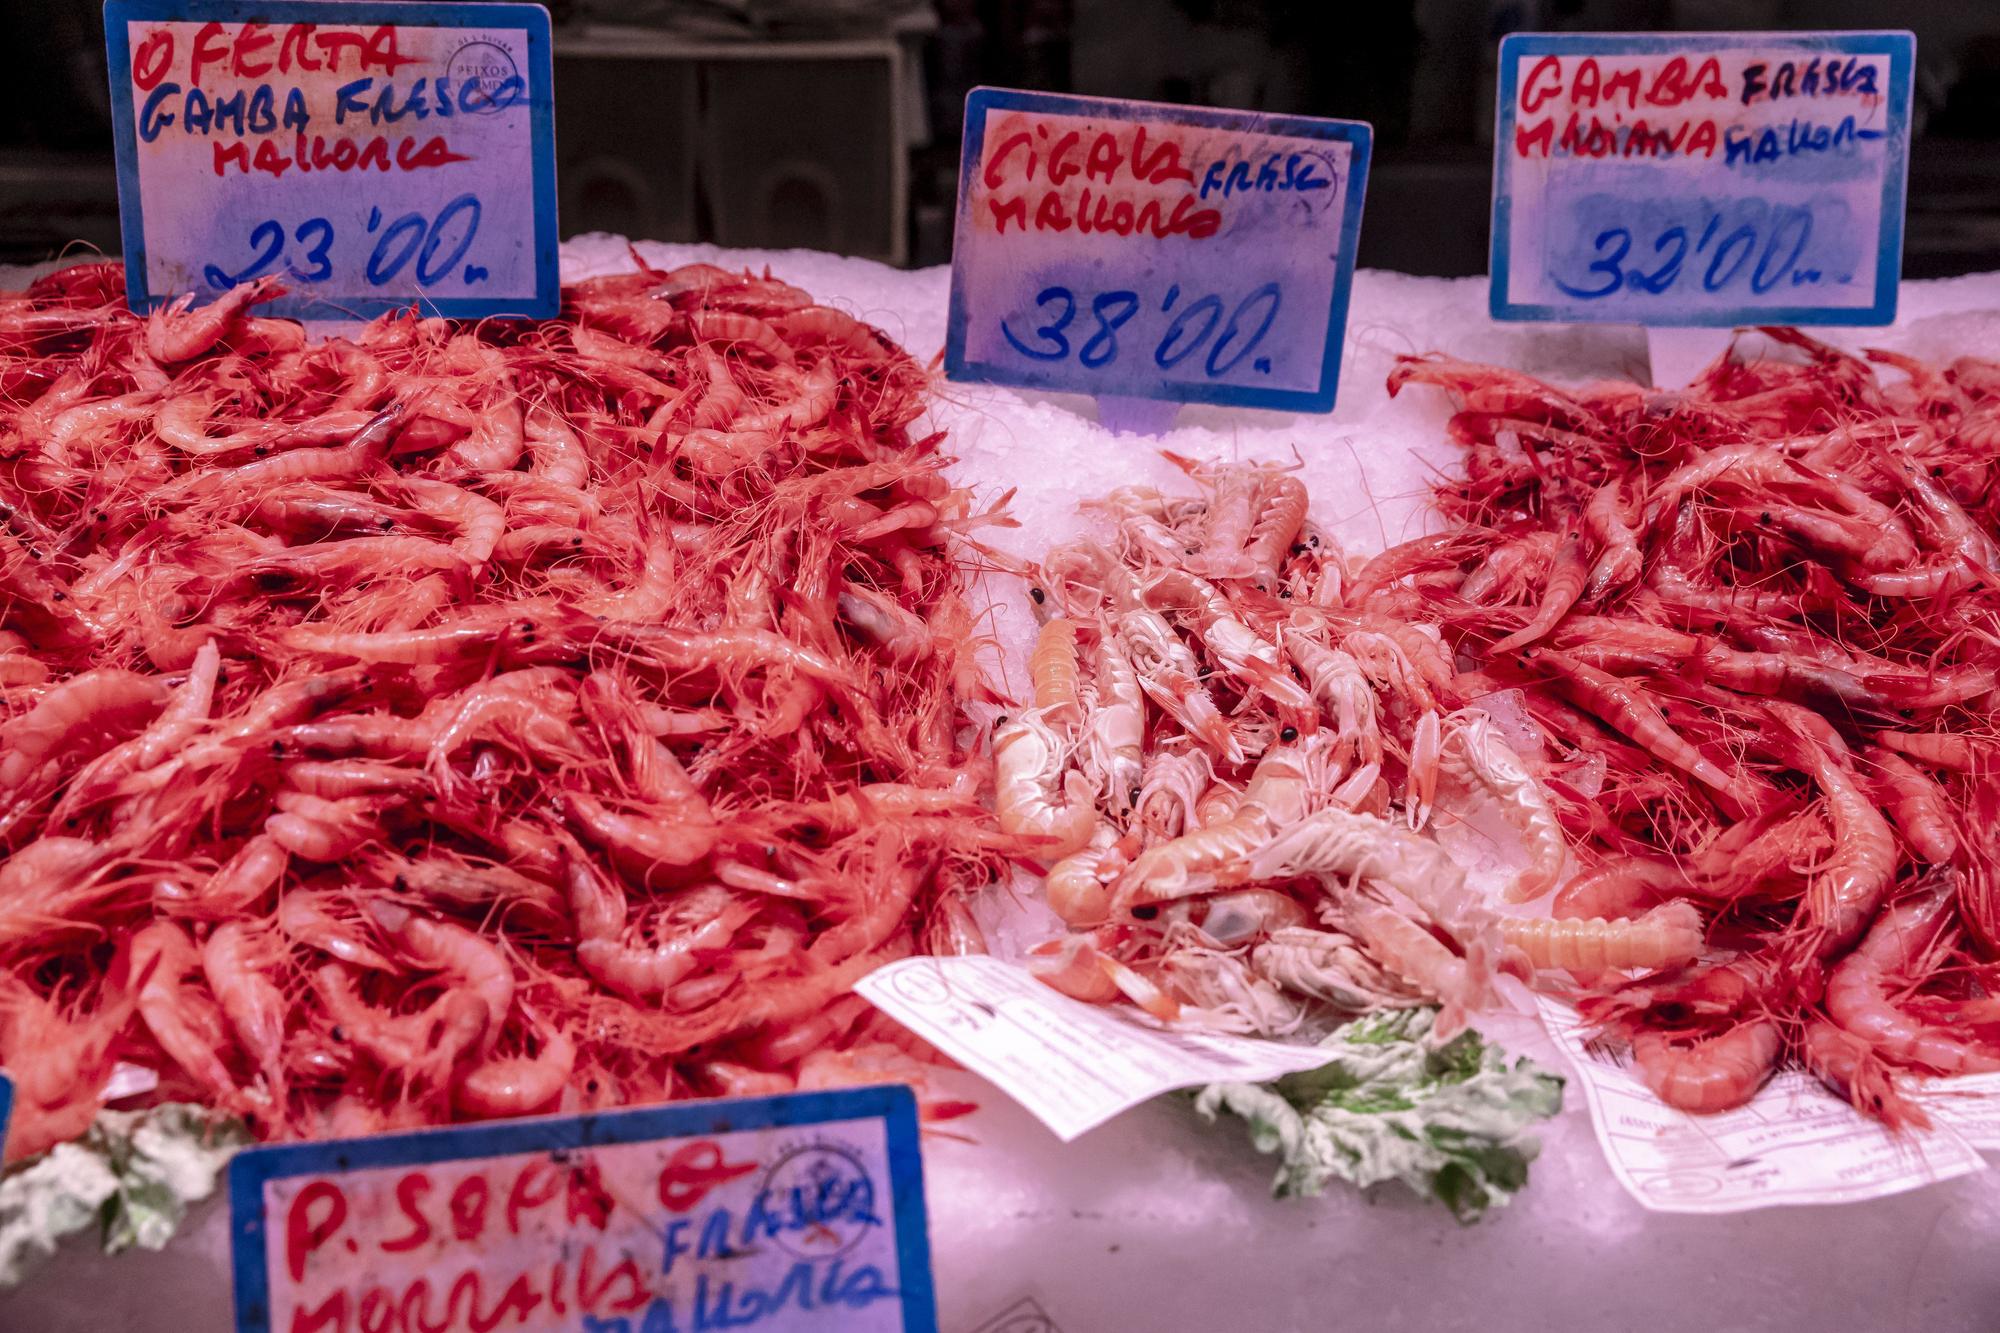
{"type": "Point", "coordinates": [797, 1213]}
{"type": "Point", "coordinates": [1137, 250]}
{"type": "Point", "coordinates": [363, 155]}
{"type": "Point", "coordinates": [1701, 179]}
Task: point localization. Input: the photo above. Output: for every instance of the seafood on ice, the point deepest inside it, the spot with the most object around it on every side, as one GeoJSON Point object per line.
{"type": "Point", "coordinates": [1754, 628]}
{"type": "Point", "coordinates": [1262, 807]}
{"type": "Point", "coordinates": [465, 720]}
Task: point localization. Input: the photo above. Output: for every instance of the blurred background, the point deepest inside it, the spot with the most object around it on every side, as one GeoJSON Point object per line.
{"type": "Point", "coordinates": [834, 124]}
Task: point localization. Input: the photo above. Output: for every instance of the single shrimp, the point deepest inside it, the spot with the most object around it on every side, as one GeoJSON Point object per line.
{"type": "Point", "coordinates": [1416, 955]}
{"type": "Point", "coordinates": [314, 829]}
{"type": "Point", "coordinates": [480, 521]}
{"type": "Point", "coordinates": [496, 442]}
{"type": "Point", "coordinates": [1281, 513]}
{"type": "Point", "coordinates": [740, 332]}
{"type": "Point", "coordinates": [307, 918]}
{"type": "Point", "coordinates": [106, 700]}
{"type": "Point", "coordinates": [1426, 751]}
{"type": "Point", "coordinates": [1568, 577]}
{"type": "Point", "coordinates": [1333, 842]}
{"type": "Point", "coordinates": [1861, 984]}
{"type": "Point", "coordinates": [696, 921]}
{"type": "Point", "coordinates": [233, 961]}
{"type": "Point", "coordinates": [648, 849]}
{"type": "Point", "coordinates": [1171, 787]}
{"type": "Point", "coordinates": [1052, 666]}
{"type": "Point", "coordinates": [1921, 810]}
{"type": "Point", "coordinates": [1620, 888]}
{"type": "Point", "coordinates": [1078, 887]}
{"type": "Point", "coordinates": [1037, 794]}
{"type": "Point", "coordinates": [1851, 1067]}
{"type": "Point", "coordinates": [1169, 676]}
{"type": "Point", "coordinates": [1112, 746]}
{"type": "Point", "coordinates": [1952, 751]}
{"type": "Point", "coordinates": [1618, 564]}
{"type": "Point", "coordinates": [1342, 690]}
{"type": "Point", "coordinates": [479, 966]}
{"type": "Point", "coordinates": [555, 453]}
{"type": "Point", "coordinates": [1474, 757]}
{"type": "Point", "coordinates": [1668, 936]}
{"type": "Point", "coordinates": [1277, 796]}
{"type": "Point", "coordinates": [1076, 967]}
{"type": "Point", "coordinates": [518, 1084]}
{"type": "Point", "coordinates": [1848, 886]}
{"type": "Point", "coordinates": [1232, 645]}
{"type": "Point", "coordinates": [1634, 716]}
{"type": "Point", "coordinates": [185, 1022]}
{"type": "Point", "coordinates": [1712, 1073]}
{"type": "Point", "coordinates": [174, 333]}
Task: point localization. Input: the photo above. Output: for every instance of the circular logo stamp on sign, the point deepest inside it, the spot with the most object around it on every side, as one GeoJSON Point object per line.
{"type": "Point", "coordinates": [488, 79]}
{"type": "Point", "coordinates": [818, 1200]}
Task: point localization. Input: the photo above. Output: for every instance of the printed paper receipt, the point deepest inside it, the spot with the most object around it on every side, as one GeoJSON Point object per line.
{"type": "Point", "coordinates": [1795, 1142]}
{"type": "Point", "coordinates": [1073, 1065]}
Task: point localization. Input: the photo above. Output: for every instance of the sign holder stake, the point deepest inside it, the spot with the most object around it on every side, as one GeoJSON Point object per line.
{"type": "Point", "coordinates": [1136, 416]}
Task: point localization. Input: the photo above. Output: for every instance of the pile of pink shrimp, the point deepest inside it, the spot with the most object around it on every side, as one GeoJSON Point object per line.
{"type": "Point", "coordinates": [1241, 782]}
{"type": "Point", "coordinates": [1756, 625]}
{"type": "Point", "coordinates": [456, 721]}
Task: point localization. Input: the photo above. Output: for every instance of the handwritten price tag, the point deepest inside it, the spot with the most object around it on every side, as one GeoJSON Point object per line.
{"type": "Point", "coordinates": [1146, 251]}
{"type": "Point", "coordinates": [1701, 179]}
{"type": "Point", "coordinates": [800, 1212]}
{"type": "Point", "coordinates": [365, 155]}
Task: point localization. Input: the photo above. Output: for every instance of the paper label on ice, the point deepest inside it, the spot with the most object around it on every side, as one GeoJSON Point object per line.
{"type": "Point", "coordinates": [365, 153]}
{"type": "Point", "coordinates": [1969, 1104]}
{"type": "Point", "coordinates": [798, 1213]}
{"type": "Point", "coordinates": [1072, 1065]}
{"type": "Point", "coordinates": [1701, 178]}
{"type": "Point", "coordinates": [1139, 250]}
{"type": "Point", "coordinates": [1794, 1142]}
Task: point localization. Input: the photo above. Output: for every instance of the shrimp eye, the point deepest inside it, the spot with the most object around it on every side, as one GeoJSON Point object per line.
{"type": "Point", "coordinates": [1285, 594]}
{"type": "Point", "coordinates": [1038, 595]}
{"type": "Point", "coordinates": [1135, 796]}
{"type": "Point", "coordinates": [339, 1034]}
{"type": "Point", "coordinates": [1145, 913]}
{"type": "Point", "coordinates": [1312, 541]}
{"type": "Point", "coordinates": [1289, 734]}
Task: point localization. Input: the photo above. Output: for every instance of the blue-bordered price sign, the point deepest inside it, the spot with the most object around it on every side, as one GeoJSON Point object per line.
{"type": "Point", "coordinates": [1700, 178]}
{"type": "Point", "coordinates": [799, 1212]}
{"type": "Point", "coordinates": [1133, 249]}
{"type": "Point", "coordinates": [364, 155]}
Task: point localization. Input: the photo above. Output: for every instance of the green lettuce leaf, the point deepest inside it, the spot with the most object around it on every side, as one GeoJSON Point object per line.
{"type": "Point", "coordinates": [1450, 1121]}
{"type": "Point", "coordinates": [133, 1173]}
